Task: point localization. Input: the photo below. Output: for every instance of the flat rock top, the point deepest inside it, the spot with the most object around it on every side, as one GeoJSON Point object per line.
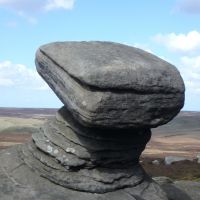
{"type": "Point", "coordinates": [108, 65]}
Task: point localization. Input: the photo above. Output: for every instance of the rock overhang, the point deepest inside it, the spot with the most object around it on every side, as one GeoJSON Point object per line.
{"type": "Point", "coordinates": [106, 84]}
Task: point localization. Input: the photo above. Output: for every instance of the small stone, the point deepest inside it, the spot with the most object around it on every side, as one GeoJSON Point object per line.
{"type": "Point", "coordinates": [172, 159]}
{"type": "Point", "coordinates": [155, 162]}
{"type": "Point", "coordinates": [198, 158]}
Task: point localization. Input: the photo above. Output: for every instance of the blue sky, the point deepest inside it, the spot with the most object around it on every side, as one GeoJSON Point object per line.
{"type": "Point", "coordinates": [169, 29]}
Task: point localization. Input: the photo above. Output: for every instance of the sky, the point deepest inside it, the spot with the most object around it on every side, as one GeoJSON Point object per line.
{"type": "Point", "coordinates": [169, 29]}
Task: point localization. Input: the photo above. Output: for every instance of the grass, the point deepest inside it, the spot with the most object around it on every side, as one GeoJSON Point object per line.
{"type": "Point", "coordinates": [15, 125]}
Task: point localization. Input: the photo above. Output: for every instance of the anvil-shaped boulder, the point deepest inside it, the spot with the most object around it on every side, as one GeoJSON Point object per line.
{"type": "Point", "coordinates": [106, 84]}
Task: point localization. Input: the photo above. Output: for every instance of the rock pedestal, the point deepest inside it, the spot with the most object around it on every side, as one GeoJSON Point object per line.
{"type": "Point", "coordinates": [112, 94]}
{"type": "Point", "coordinates": [87, 159]}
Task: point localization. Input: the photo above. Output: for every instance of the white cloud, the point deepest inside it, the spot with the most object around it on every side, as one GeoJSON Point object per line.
{"type": "Point", "coordinates": [189, 42]}
{"type": "Point", "coordinates": [190, 70]}
{"type": "Point", "coordinates": [56, 4]}
{"type": "Point", "coordinates": [23, 5]}
{"type": "Point", "coordinates": [27, 9]}
{"type": "Point", "coordinates": [12, 24]}
{"type": "Point", "coordinates": [188, 6]}
{"type": "Point", "coordinates": [27, 6]}
{"type": "Point", "coordinates": [187, 60]}
{"type": "Point", "coordinates": [6, 82]}
{"type": "Point", "coordinates": [30, 19]}
{"type": "Point", "coordinates": [21, 86]}
{"type": "Point", "coordinates": [20, 76]}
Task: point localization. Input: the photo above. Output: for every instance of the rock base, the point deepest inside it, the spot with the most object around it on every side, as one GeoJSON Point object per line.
{"type": "Point", "coordinates": [20, 181]}
{"type": "Point", "coordinates": [90, 162]}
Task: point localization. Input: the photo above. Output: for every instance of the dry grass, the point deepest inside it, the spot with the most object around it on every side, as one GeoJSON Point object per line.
{"type": "Point", "coordinates": [183, 170]}
{"type": "Point", "coordinates": [187, 145]}
{"type": "Point", "coordinates": [8, 122]}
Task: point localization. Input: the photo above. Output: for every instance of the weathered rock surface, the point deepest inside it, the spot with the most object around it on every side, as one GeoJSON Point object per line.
{"type": "Point", "coordinates": [49, 168]}
{"type": "Point", "coordinates": [113, 94]}
{"type": "Point", "coordinates": [162, 180]}
{"type": "Point", "coordinates": [172, 159]}
{"type": "Point", "coordinates": [107, 84]}
{"type": "Point", "coordinates": [66, 159]}
{"type": "Point", "coordinates": [18, 181]}
{"type": "Point", "coordinates": [89, 161]}
{"type": "Point", "coordinates": [179, 190]}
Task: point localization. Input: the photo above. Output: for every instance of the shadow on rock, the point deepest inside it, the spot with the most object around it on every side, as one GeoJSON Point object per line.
{"type": "Point", "coordinates": [174, 193]}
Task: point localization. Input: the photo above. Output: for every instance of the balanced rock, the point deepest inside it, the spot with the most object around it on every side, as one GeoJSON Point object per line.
{"type": "Point", "coordinates": [112, 94]}
{"type": "Point", "coordinates": [107, 84]}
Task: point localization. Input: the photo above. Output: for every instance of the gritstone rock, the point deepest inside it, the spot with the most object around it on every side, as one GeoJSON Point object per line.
{"type": "Point", "coordinates": [179, 190]}
{"type": "Point", "coordinates": [112, 94]}
{"type": "Point", "coordinates": [172, 159]}
{"type": "Point", "coordinates": [106, 84]}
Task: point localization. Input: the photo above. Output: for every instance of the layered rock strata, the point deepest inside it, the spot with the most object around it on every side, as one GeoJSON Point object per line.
{"type": "Point", "coordinates": [112, 94]}
{"type": "Point", "coordinates": [96, 161]}
{"type": "Point", "coordinates": [106, 84]}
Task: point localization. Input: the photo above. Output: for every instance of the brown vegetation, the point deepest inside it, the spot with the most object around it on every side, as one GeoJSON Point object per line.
{"type": "Point", "coordinates": [183, 170]}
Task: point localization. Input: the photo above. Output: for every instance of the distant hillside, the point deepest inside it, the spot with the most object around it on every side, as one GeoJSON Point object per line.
{"type": "Point", "coordinates": [184, 123]}
{"type": "Point", "coordinates": [180, 137]}
{"type": "Point", "coordinates": [27, 112]}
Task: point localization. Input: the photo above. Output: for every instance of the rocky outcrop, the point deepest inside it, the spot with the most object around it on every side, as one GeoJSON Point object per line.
{"type": "Point", "coordinates": [112, 94]}
{"type": "Point", "coordinates": [84, 162]}
{"type": "Point", "coordinates": [106, 84]}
